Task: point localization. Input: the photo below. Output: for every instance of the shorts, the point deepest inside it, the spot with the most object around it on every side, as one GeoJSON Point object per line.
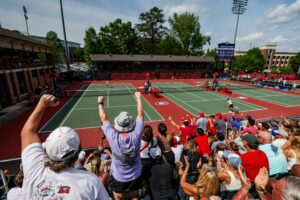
{"type": "Point", "coordinates": [122, 187]}
{"type": "Point", "coordinates": [230, 106]}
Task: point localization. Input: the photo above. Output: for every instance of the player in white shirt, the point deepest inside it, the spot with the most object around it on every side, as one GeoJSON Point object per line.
{"type": "Point", "coordinates": [230, 105]}
{"type": "Point", "coordinates": [48, 168]}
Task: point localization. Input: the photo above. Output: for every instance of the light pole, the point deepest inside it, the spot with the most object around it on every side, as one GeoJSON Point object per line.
{"type": "Point", "coordinates": [65, 36]}
{"type": "Point", "coordinates": [238, 8]}
{"type": "Point", "coordinates": [26, 18]}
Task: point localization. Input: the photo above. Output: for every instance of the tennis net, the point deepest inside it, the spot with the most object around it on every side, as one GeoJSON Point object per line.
{"type": "Point", "coordinates": [129, 91]}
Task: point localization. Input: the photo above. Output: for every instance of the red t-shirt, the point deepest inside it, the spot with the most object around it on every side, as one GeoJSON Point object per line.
{"type": "Point", "coordinates": [253, 161]}
{"type": "Point", "coordinates": [250, 129]}
{"type": "Point", "coordinates": [213, 129]}
{"type": "Point", "coordinates": [203, 146]}
{"type": "Point", "coordinates": [185, 133]}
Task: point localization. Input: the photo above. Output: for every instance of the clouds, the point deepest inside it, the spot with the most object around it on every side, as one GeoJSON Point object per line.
{"type": "Point", "coordinates": [251, 37]}
{"type": "Point", "coordinates": [284, 13]}
{"type": "Point", "coordinates": [264, 21]}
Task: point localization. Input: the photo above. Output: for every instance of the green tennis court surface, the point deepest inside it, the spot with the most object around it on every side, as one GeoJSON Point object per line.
{"type": "Point", "coordinates": [201, 100]}
{"type": "Point", "coordinates": [279, 98]}
{"type": "Point", "coordinates": [81, 111]}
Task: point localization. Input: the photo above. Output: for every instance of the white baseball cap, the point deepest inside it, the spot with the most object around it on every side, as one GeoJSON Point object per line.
{"type": "Point", "coordinates": [155, 152]}
{"type": "Point", "coordinates": [61, 142]}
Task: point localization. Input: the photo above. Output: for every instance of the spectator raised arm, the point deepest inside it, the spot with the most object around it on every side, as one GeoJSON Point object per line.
{"type": "Point", "coordinates": [28, 134]}
{"type": "Point", "coordinates": [102, 112]}
{"type": "Point", "coordinates": [140, 108]}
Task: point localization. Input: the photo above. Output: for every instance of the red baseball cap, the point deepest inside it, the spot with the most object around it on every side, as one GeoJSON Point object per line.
{"type": "Point", "coordinates": [201, 114]}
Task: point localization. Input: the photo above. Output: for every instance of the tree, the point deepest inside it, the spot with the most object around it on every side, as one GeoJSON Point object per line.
{"type": "Point", "coordinates": [286, 70]}
{"type": "Point", "coordinates": [169, 46]}
{"type": "Point", "coordinates": [295, 63]}
{"type": "Point", "coordinates": [151, 29]}
{"type": "Point", "coordinates": [79, 54]}
{"type": "Point", "coordinates": [252, 61]}
{"type": "Point", "coordinates": [91, 44]}
{"type": "Point", "coordinates": [119, 38]}
{"type": "Point", "coordinates": [185, 28]}
{"type": "Point", "coordinates": [212, 52]}
{"type": "Point", "coordinates": [58, 51]}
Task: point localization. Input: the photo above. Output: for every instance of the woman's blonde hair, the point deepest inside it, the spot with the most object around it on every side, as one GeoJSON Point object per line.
{"type": "Point", "coordinates": [295, 146]}
{"type": "Point", "coordinates": [191, 146]}
{"type": "Point", "coordinates": [208, 181]}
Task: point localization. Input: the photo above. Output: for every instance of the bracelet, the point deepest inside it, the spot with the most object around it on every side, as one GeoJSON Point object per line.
{"type": "Point", "coordinates": [260, 191]}
{"type": "Point", "coordinates": [100, 103]}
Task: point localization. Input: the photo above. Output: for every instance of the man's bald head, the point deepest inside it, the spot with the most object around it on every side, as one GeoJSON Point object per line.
{"type": "Point", "coordinates": [266, 136]}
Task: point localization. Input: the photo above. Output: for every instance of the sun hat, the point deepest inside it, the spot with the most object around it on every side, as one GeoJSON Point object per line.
{"type": "Point", "coordinates": [281, 132]}
{"type": "Point", "coordinates": [62, 144]}
{"type": "Point", "coordinates": [155, 152]}
{"type": "Point", "coordinates": [124, 122]}
{"type": "Point", "coordinates": [234, 159]}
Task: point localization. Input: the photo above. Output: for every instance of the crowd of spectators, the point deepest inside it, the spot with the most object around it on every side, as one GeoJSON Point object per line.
{"type": "Point", "coordinates": [18, 61]}
{"type": "Point", "coordinates": [208, 157]}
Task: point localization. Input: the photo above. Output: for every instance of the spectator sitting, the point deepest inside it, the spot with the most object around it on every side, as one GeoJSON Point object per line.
{"type": "Point", "coordinates": [277, 161]}
{"type": "Point", "coordinates": [280, 138]}
{"type": "Point", "coordinates": [93, 162]}
{"type": "Point", "coordinates": [57, 174]}
{"type": "Point", "coordinates": [79, 164]}
{"type": "Point", "coordinates": [125, 143]}
{"type": "Point", "coordinates": [253, 160]}
{"type": "Point", "coordinates": [227, 169]}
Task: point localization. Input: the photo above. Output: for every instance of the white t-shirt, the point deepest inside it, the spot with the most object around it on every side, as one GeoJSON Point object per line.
{"type": "Point", "coordinates": [279, 142]}
{"type": "Point", "coordinates": [229, 102]}
{"type": "Point", "coordinates": [42, 183]}
{"type": "Point", "coordinates": [14, 193]}
{"type": "Point", "coordinates": [177, 152]}
{"type": "Point", "coordinates": [145, 152]}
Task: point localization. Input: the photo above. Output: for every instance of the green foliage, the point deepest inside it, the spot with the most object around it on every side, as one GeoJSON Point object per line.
{"type": "Point", "coordinates": [185, 28]}
{"type": "Point", "coordinates": [42, 57]}
{"type": "Point", "coordinates": [58, 51]}
{"type": "Point", "coordinates": [151, 29]}
{"type": "Point", "coordinates": [79, 54]}
{"type": "Point", "coordinates": [169, 46]}
{"type": "Point", "coordinates": [119, 38]}
{"type": "Point", "coordinates": [212, 52]}
{"type": "Point", "coordinates": [295, 63]}
{"type": "Point", "coordinates": [286, 70]}
{"type": "Point", "coordinates": [91, 44]}
{"type": "Point", "coordinates": [250, 62]}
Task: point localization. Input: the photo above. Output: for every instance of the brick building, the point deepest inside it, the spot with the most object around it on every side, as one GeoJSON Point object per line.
{"type": "Point", "coordinates": [272, 58]}
{"type": "Point", "coordinates": [21, 69]}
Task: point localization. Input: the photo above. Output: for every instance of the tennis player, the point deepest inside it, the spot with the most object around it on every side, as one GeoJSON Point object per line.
{"type": "Point", "coordinates": [230, 105]}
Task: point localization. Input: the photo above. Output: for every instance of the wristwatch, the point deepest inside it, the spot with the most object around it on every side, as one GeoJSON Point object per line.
{"type": "Point", "coordinates": [100, 103]}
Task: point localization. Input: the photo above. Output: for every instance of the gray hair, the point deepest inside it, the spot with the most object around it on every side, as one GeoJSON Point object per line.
{"type": "Point", "coordinates": [292, 188]}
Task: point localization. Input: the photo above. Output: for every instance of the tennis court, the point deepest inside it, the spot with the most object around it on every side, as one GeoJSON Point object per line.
{"type": "Point", "coordinates": [81, 111]}
{"type": "Point", "coordinates": [274, 97]}
{"type": "Point", "coordinates": [194, 99]}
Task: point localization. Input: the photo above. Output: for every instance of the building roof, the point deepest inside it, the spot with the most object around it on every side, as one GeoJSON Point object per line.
{"type": "Point", "coordinates": [285, 53]}
{"type": "Point", "coordinates": [14, 40]}
{"type": "Point", "coordinates": [148, 58]}
{"type": "Point", "coordinates": [43, 39]}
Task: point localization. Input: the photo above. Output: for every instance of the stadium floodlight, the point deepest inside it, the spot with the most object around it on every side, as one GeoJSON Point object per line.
{"type": "Point", "coordinates": [238, 8]}
{"type": "Point", "coordinates": [65, 36]}
{"type": "Point", "coordinates": [26, 19]}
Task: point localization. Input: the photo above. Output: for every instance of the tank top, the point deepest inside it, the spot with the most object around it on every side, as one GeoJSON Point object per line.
{"type": "Point", "coordinates": [235, 183]}
{"type": "Point", "coordinates": [292, 161]}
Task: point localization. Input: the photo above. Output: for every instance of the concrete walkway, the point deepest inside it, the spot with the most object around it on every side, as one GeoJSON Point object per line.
{"type": "Point", "coordinates": [12, 112]}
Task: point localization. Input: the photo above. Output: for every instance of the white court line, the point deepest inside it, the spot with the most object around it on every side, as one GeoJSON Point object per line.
{"type": "Point", "coordinates": [239, 101]}
{"type": "Point", "coordinates": [152, 107]}
{"type": "Point", "coordinates": [74, 107]}
{"type": "Point", "coordinates": [91, 108]}
{"type": "Point", "coordinates": [135, 100]}
{"type": "Point", "coordinates": [184, 102]}
{"type": "Point", "coordinates": [205, 100]}
{"type": "Point", "coordinates": [198, 97]}
{"type": "Point", "coordinates": [56, 114]}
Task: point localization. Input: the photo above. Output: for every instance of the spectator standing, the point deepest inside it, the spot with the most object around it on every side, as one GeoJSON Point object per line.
{"type": "Point", "coordinates": [161, 177]}
{"type": "Point", "coordinates": [220, 123]}
{"type": "Point", "coordinates": [16, 192]}
{"type": "Point", "coordinates": [202, 121]}
{"type": "Point", "coordinates": [221, 139]}
{"type": "Point", "coordinates": [177, 148]}
{"type": "Point", "coordinates": [250, 127]}
{"type": "Point", "coordinates": [210, 124]}
{"type": "Point", "coordinates": [125, 142]}
{"type": "Point", "coordinates": [202, 141]}
{"type": "Point", "coordinates": [55, 177]}
{"type": "Point", "coordinates": [292, 152]}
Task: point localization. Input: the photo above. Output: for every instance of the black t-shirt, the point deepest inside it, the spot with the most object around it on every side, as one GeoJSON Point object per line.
{"type": "Point", "coordinates": [193, 159]}
{"type": "Point", "coordinates": [161, 182]}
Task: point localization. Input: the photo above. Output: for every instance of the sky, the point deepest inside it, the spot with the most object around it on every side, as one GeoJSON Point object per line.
{"type": "Point", "coordinates": [264, 22]}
